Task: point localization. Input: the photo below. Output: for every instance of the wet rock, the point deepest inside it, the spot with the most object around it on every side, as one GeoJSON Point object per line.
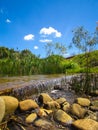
{"type": "Point", "coordinates": [43, 124]}
{"type": "Point", "coordinates": [2, 109]}
{"type": "Point", "coordinates": [85, 124]}
{"type": "Point", "coordinates": [44, 98]}
{"type": "Point", "coordinates": [66, 106]}
{"type": "Point", "coordinates": [52, 105]}
{"type": "Point", "coordinates": [11, 104]}
{"type": "Point", "coordinates": [28, 104]}
{"type": "Point", "coordinates": [31, 118]}
{"type": "Point", "coordinates": [62, 117]}
{"type": "Point", "coordinates": [83, 101]}
{"type": "Point", "coordinates": [78, 111]}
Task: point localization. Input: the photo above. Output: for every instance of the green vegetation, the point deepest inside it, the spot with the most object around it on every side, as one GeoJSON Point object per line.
{"type": "Point", "coordinates": [25, 63]}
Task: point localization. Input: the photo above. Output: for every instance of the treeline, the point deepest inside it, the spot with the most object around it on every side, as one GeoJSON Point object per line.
{"type": "Point", "coordinates": [25, 63]}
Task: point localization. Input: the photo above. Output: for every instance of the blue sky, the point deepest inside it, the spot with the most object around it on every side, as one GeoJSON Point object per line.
{"type": "Point", "coordinates": [30, 24]}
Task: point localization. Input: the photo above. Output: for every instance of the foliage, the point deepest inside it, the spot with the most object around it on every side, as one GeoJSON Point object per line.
{"type": "Point", "coordinates": [55, 49]}
{"type": "Point", "coordinates": [85, 41]}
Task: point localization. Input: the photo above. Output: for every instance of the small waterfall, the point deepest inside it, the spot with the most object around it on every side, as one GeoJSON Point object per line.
{"type": "Point", "coordinates": [36, 87]}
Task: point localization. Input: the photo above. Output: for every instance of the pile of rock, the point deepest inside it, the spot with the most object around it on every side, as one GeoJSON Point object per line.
{"type": "Point", "coordinates": [47, 113]}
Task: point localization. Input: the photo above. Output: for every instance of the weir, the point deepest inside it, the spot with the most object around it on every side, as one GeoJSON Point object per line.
{"type": "Point", "coordinates": [34, 87]}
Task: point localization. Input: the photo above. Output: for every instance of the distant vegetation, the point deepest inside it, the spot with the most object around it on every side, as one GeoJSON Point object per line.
{"type": "Point", "coordinates": [25, 63]}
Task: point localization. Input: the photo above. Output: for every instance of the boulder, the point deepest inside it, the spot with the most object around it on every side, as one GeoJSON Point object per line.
{"type": "Point", "coordinates": [85, 124]}
{"type": "Point", "coordinates": [77, 110]}
{"type": "Point", "coordinates": [44, 98]}
{"type": "Point", "coordinates": [83, 101]}
{"type": "Point", "coordinates": [2, 109]}
{"type": "Point", "coordinates": [62, 117]}
{"type": "Point", "coordinates": [11, 104]}
{"type": "Point", "coordinates": [31, 118]}
{"type": "Point", "coordinates": [28, 104]}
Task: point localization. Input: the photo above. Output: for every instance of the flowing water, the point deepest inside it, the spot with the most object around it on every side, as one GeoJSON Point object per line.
{"type": "Point", "coordinates": [23, 86]}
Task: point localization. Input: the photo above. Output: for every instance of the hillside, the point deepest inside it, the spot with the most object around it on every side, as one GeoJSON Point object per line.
{"type": "Point", "coordinates": [83, 59]}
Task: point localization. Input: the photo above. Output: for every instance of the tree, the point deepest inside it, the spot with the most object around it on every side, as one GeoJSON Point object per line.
{"type": "Point", "coordinates": [85, 41]}
{"type": "Point", "coordinates": [55, 49]}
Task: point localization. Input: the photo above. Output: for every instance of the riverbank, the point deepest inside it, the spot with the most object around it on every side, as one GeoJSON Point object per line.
{"type": "Point", "coordinates": [56, 88]}
{"type": "Point", "coordinates": [53, 110]}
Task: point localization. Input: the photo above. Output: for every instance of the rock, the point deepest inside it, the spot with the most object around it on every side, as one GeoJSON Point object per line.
{"type": "Point", "coordinates": [48, 111]}
{"type": "Point", "coordinates": [2, 109]}
{"type": "Point", "coordinates": [43, 124]}
{"type": "Point", "coordinates": [83, 101]}
{"type": "Point", "coordinates": [94, 93]}
{"type": "Point", "coordinates": [41, 113]}
{"type": "Point", "coordinates": [95, 103]}
{"type": "Point", "coordinates": [78, 111]}
{"type": "Point", "coordinates": [28, 104]}
{"type": "Point", "coordinates": [85, 124]}
{"type": "Point", "coordinates": [44, 98]}
{"type": "Point", "coordinates": [62, 117]}
{"type": "Point", "coordinates": [11, 104]}
{"type": "Point", "coordinates": [92, 115]}
{"type": "Point", "coordinates": [94, 108]}
{"type": "Point", "coordinates": [66, 106]}
{"type": "Point", "coordinates": [61, 100]}
{"type": "Point", "coordinates": [31, 118]}
{"type": "Point", "coordinates": [52, 105]}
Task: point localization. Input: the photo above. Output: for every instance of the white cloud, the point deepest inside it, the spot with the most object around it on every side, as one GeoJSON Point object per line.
{"type": "Point", "coordinates": [49, 31]}
{"type": "Point", "coordinates": [45, 40]}
{"type": "Point", "coordinates": [29, 37]}
{"type": "Point", "coordinates": [8, 21]}
{"type": "Point", "coordinates": [35, 47]}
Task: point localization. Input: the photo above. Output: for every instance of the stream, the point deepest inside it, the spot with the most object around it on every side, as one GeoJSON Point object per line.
{"type": "Point", "coordinates": [24, 86]}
